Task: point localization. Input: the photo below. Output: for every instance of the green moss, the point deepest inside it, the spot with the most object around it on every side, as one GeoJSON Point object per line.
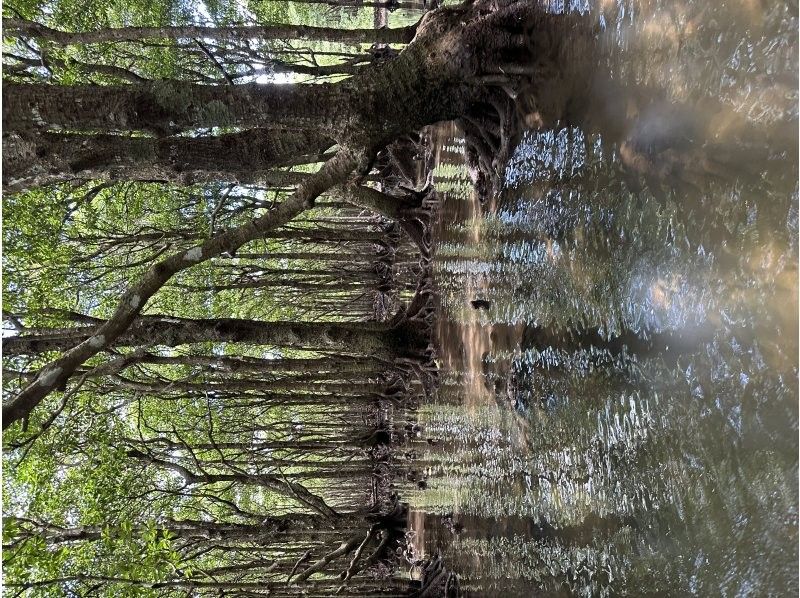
{"type": "Point", "coordinates": [216, 112]}
{"type": "Point", "coordinates": [171, 96]}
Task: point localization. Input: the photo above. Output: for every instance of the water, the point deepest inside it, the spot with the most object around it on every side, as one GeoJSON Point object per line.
{"type": "Point", "coordinates": [622, 419]}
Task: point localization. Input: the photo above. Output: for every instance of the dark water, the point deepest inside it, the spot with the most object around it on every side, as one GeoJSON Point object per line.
{"type": "Point", "coordinates": [622, 419]}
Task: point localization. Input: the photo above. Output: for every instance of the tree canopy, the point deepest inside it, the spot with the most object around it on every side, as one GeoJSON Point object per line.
{"type": "Point", "coordinates": [205, 358]}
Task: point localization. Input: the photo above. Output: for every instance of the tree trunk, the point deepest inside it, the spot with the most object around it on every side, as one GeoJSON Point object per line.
{"type": "Point", "coordinates": [45, 158]}
{"type": "Point", "coordinates": [438, 76]}
{"type": "Point", "coordinates": [196, 529]}
{"type": "Point", "coordinates": [214, 363]}
{"type": "Point", "coordinates": [426, 83]}
{"type": "Point", "coordinates": [168, 106]}
{"type": "Point", "coordinates": [367, 338]}
{"type": "Point", "coordinates": [21, 27]}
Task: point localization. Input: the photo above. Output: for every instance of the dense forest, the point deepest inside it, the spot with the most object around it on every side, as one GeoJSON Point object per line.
{"type": "Point", "coordinates": [219, 313]}
{"type": "Point", "coordinates": [217, 309]}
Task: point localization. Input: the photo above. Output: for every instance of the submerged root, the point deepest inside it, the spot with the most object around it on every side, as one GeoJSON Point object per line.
{"type": "Point", "coordinates": [491, 133]}
{"type": "Point", "coordinates": [417, 215]}
{"type": "Point", "coordinates": [405, 164]}
{"type": "Point", "coordinates": [437, 581]}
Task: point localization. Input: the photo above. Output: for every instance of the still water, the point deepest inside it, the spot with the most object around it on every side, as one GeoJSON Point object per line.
{"type": "Point", "coordinates": [619, 417]}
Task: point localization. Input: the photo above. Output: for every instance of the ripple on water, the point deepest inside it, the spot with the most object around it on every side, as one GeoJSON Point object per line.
{"type": "Point", "coordinates": [666, 463]}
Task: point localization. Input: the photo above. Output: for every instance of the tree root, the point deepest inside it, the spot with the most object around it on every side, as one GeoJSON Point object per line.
{"type": "Point", "coordinates": [437, 581]}
{"type": "Point", "coordinates": [416, 217]}
{"type": "Point", "coordinates": [491, 132]}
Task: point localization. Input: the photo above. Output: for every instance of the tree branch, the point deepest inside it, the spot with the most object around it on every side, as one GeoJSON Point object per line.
{"type": "Point", "coordinates": [57, 372]}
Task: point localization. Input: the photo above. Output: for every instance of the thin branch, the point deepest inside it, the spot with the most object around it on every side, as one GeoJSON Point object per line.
{"type": "Point", "coordinates": [213, 59]}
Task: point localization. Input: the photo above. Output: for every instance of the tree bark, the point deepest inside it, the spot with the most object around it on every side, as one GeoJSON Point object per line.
{"type": "Point", "coordinates": [45, 158]}
{"type": "Point", "coordinates": [163, 107]}
{"type": "Point", "coordinates": [422, 85]}
{"type": "Point", "coordinates": [363, 365]}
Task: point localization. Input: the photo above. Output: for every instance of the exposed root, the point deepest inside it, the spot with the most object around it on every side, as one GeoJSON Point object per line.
{"type": "Point", "coordinates": [437, 581]}
{"type": "Point", "coordinates": [491, 132]}
{"type": "Point", "coordinates": [405, 164]}
{"type": "Point", "coordinates": [417, 214]}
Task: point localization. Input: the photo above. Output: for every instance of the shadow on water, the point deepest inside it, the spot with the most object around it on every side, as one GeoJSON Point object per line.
{"type": "Point", "coordinates": [617, 412]}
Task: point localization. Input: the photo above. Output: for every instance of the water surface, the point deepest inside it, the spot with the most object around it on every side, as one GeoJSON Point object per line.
{"type": "Point", "coordinates": [622, 418]}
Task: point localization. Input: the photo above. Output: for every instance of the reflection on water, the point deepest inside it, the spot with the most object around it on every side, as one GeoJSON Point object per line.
{"type": "Point", "coordinates": [618, 411]}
